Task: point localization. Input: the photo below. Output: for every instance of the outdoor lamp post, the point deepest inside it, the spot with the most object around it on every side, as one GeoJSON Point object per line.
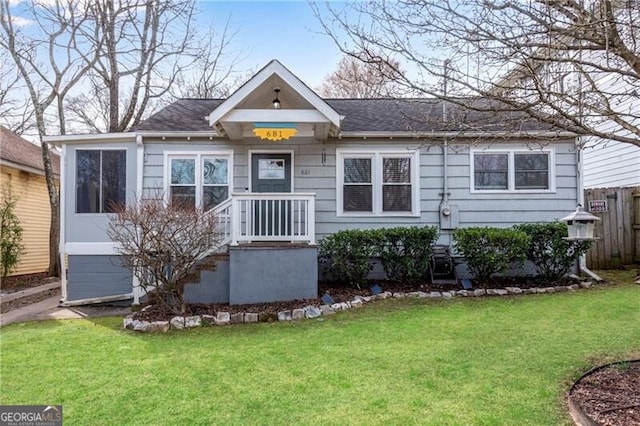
{"type": "Point", "coordinates": [580, 225]}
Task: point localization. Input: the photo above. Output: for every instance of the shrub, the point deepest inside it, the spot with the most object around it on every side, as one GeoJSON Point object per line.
{"type": "Point", "coordinates": [405, 252]}
{"type": "Point", "coordinates": [549, 251]}
{"type": "Point", "coordinates": [10, 234]}
{"type": "Point", "coordinates": [490, 250]}
{"type": "Point", "coordinates": [348, 254]}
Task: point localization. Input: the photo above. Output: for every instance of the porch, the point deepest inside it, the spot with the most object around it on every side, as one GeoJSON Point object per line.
{"type": "Point", "coordinates": [265, 251]}
{"type": "Point", "coordinates": [247, 218]}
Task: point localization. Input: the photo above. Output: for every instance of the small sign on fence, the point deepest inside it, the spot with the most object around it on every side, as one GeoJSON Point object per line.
{"type": "Point", "coordinates": [598, 206]}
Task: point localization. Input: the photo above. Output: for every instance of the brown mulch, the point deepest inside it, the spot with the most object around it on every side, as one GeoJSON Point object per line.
{"type": "Point", "coordinates": [611, 396]}
{"type": "Point", "coordinates": [338, 292]}
{"type": "Point", "coordinates": [21, 282]}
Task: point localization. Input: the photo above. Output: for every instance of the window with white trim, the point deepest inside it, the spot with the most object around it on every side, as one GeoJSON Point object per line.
{"type": "Point", "coordinates": [511, 170]}
{"type": "Point", "coordinates": [101, 181]}
{"type": "Point", "coordinates": [377, 182]}
{"type": "Point", "coordinates": [199, 180]}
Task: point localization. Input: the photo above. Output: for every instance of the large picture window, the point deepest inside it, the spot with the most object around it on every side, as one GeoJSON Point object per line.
{"type": "Point", "coordinates": [512, 171]}
{"type": "Point", "coordinates": [379, 183]}
{"type": "Point", "coordinates": [199, 180]}
{"type": "Point", "coordinates": [100, 180]}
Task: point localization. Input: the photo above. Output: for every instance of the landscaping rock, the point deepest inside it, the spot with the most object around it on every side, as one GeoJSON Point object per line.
{"type": "Point", "coordinates": [193, 322]}
{"type": "Point", "coordinates": [337, 307]}
{"type": "Point", "coordinates": [327, 310]}
{"type": "Point", "coordinates": [479, 292]}
{"type": "Point", "coordinates": [435, 294]}
{"type": "Point", "coordinates": [399, 295]}
{"type": "Point", "coordinates": [298, 314]}
{"type": "Point", "coordinates": [501, 292]}
{"type": "Point", "coordinates": [356, 303]}
{"type": "Point", "coordinates": [267, 317]}
{"type": "Point", "coordinates": [586, 284]}
{"type": "Point", "coordinates": [141, 325]}
{"type": "Point", "coordinates": [463, 293]}
{"type": "Point", "coordinates": [313, 311]}
{"type": "Point", "coordinates": [128, 322]}
{"type": "Point", "coordinates": [250, 317]}
{"type": "Point", "coordinates": [368, 299]}
{"type": "Point", "coordinates": [413, 294]}
{"type": "Point", "coordinates": [447, 295]}
{"type": "Point", "coordinates": [284, 316]}
{"type": "Point", "coordinates": [384, 295]}
{"type": "Point", "coordinates": [513, 290]}
{"type": "Point", "coordinates": [360, 298]}
{"type": "Point", "coordinates": [423, 295]}
{"type": "Point", "coordinates": [561, 288]}
{"type": "Point", "coordinates": [177, 322]}
{"type": "Point", "coordinates": [222, 318]}
{"type": "Point", "coordinates": [530, 290]}
{"type": "Point", "coordinates": [574, 287]}
{"type": "Point", "coordinates": [157, 327]}
{"type": "Point", "coordinates": [208, 319]}
{"type": "Point", "coordinates": [237, 318]}
{"type": "Point", "coordinates": [491, 292]}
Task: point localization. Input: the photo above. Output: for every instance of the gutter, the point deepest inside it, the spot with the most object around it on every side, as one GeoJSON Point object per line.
{"type": "Point", "coordinates": [459, 134]}
{"type": "Point", "coordinates": [62, 228]}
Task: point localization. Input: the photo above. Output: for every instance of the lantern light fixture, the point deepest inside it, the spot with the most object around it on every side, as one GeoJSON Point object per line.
{"type": "Point", "coordinates": [276, 101]}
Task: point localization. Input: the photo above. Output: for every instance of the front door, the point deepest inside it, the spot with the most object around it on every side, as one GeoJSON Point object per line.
{"type": "Point", "coordinates": [271, 173]}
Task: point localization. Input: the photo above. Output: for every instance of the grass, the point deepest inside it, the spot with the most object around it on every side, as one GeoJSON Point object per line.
{"type": "Point", "coordinates": [462, 362]}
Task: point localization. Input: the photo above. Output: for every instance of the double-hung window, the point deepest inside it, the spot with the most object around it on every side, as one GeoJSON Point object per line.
{"type": "Point", "coordinates": [198, 180]}
{"type": "Point", "coordinates": [512, 171]}
{"type": "Point", "coordinates": [377, 183]}
{"type": "Point", "coordinates": [101, 181]}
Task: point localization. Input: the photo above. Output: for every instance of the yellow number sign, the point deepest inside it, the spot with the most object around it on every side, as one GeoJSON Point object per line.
{"type": "Point", "coordinates": [274, 131]}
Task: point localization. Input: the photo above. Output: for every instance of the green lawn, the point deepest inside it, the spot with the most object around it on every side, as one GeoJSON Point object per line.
{"type": "Point", "coordinates": [491, 361]}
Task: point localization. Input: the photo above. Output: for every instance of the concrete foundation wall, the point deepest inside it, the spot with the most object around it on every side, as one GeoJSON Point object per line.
{"type": "Point", "coordinates": [269, 274]}
{"type": "Point", "coordinates": [213, 286]}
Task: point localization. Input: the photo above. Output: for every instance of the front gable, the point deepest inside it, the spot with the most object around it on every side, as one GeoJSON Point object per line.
{"type": "Point", "coordinates": [251, 106]}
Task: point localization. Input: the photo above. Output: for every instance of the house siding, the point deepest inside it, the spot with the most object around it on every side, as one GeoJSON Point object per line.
{"type": "Point", "coordinates": [34, 214]}
{"type": "Point", "coordinates": [310, 175]}
{"type": "Point", "coordinates": [610, 164]}
{"type": "Point", "coordinates": [92, 276]}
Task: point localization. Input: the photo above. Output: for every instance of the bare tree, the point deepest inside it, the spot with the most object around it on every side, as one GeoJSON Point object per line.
{"type": "Point", "coordinates": [214, 73]}
{"type": "Point", "coordinates": [165, 245]}
{"type": "Point", "coordinates": [573, 64]}
{"type": "Point", "coordinates": [143, 46]}
{"type": "Point", "coordinates": [48, 62]}
{"type": "Point", "coordinates": [15, 112]}
{"type": "Point", "coordinates": [353, 78]}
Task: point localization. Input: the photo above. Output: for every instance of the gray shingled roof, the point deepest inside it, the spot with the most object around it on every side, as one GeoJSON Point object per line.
{"type": "Point", "coordinates": [19, 151]}
{"type": "Point", "coordinates": [362, 115]}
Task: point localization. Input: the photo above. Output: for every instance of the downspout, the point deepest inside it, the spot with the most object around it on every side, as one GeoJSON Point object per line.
{"type": "Point", "coordinates": [61, 244]}
{"type": "Point", "coordinates": [135, 284]}
{"type": "Point", "coordinates": [582, 262]}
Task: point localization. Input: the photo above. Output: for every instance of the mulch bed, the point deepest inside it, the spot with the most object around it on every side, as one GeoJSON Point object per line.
{"type": "Point", "coordinates": [21, 282]}
{"type": "Point", "coordinates": [28, 300]}
{"type": "Point", "coordinates": [339, 292]}
{"type": "Point", "coordinates": [611, 395]}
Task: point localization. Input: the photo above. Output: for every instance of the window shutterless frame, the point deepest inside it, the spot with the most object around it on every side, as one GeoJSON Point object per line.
{"type": "Point", "coordinates": [200, 183]}
{"type": "Point", "coordinates": [378, 183]}
{"type": "Point", "coordinates": [116, 195]}
{"type": "Point", "coordinates": [511, 171]}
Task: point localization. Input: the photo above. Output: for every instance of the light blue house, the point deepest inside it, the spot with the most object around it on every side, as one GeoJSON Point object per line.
{"type": "Point", "coordinates": [283, 168]}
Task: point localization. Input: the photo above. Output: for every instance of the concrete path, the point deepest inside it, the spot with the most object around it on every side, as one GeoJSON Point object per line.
{"type": "Point", "coordinates": [49, 309]}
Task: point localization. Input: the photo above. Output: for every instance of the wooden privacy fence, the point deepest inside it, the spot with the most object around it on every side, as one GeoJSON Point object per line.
{"type": "Point", "coordinates": [619, 230]}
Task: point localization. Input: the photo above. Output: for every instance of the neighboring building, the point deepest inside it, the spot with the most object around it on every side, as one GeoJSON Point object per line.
{"type": "Point", "coordinates": [21, 168]}
{"type": "Point", "coordinates": [308, 169]}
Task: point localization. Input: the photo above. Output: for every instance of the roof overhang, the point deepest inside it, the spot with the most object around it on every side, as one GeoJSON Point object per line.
{"type": "Point", "coordinates": [251, 103]}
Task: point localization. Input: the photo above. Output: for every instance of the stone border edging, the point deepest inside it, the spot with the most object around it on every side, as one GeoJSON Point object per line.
{"type": "Point", "coordinates": [580, 417]}
{"type": "Point", "coordinates": [311, 311]}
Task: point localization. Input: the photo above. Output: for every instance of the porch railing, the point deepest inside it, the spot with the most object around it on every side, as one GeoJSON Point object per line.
{"type": "Point", "coordinates": [257, 217]}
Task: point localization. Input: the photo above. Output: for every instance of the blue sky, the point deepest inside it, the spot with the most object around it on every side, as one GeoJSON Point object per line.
{"type": "Point", "coordinates": [283, 30]}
